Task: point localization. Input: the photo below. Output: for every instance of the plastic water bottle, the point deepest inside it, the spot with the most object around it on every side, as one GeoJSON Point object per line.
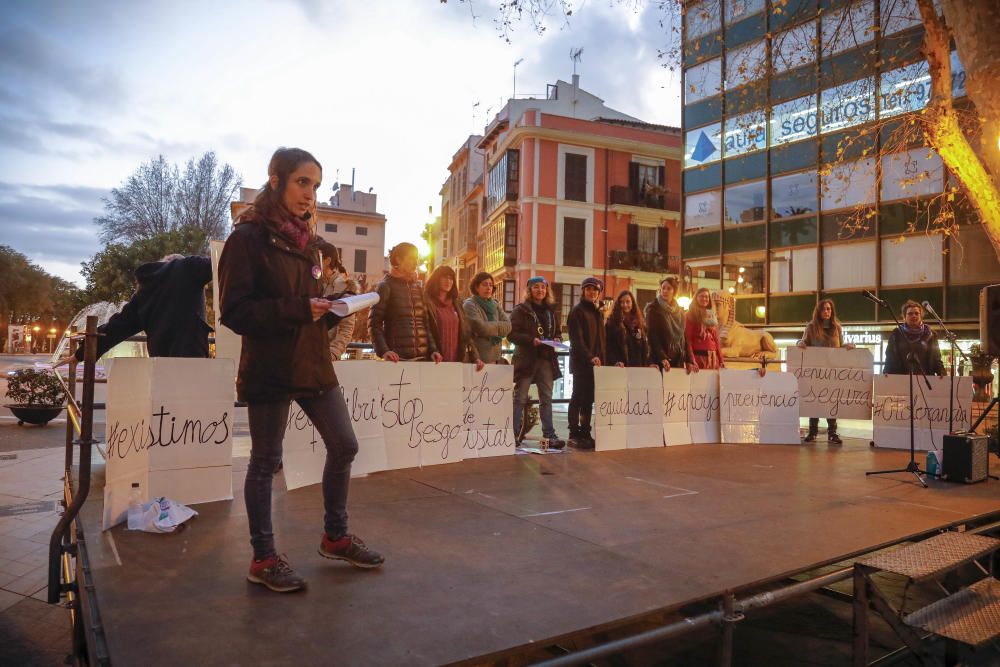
{"type": "Point", "coordinates": [134, 506]}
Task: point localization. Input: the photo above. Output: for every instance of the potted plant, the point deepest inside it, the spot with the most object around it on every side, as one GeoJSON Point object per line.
{"type": "Point", "coordinates": [982, 375]}
{"type": "Point", "coordinates": [36, 395]}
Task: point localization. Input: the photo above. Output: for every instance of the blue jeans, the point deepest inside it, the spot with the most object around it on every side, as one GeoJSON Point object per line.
{"type": "Point", "coordinates": [328, 414]}
{"type": "Point", "coordinates": [543, 378]}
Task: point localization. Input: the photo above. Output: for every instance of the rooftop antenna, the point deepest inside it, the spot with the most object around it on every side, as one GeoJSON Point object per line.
{"type": "Point", "coordinates": [476, 104]}
{"type": "Point", "coordinates": [516, 63]}
{"type": "Point", "coordinates": [574, 55]}
{"type": "Point", "coordinates": [354, 195]}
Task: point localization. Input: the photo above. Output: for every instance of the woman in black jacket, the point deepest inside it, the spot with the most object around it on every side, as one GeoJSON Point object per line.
{"type": "Point", "coordinates": [628, 344]}
{"type": "Point", "coordinates": [398, 322]}
{"type": "Point", "coordinates": [446, 319]}
{"type": "Point", "coordinates": [533, 321]}
{"type": "Point", "coordinates": [913, 335]}
{"type": "Point", "coordinates": [270, 292]}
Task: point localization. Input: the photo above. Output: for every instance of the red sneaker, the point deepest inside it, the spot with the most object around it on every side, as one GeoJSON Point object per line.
{"type": "Point", "coordinates": [352, 549]}
{"type": "Point", "coordinates": [276, 574]}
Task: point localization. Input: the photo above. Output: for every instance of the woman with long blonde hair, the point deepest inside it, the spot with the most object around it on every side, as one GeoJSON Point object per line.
{"type": "Point", "coordinates": [701, 330]}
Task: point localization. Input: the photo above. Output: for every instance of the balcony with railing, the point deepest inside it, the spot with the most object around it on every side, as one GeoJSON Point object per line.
{"type": "Point", "coordinates": [653, 197]}
{"type": "Point", "coordinates": [638, 260]}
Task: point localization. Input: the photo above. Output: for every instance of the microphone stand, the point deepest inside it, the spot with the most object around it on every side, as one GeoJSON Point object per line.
{"type": "Point", "coordinates": [912, 360]}
{"type": "Point", "coordinates": [951, 375]}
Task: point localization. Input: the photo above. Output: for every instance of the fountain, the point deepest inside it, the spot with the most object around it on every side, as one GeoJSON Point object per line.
{"type": "Point", "coordinates": [103, 310]}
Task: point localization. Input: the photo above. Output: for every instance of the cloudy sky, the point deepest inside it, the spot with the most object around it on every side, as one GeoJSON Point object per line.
{"type": "Point", "coordinates": [89, 90]}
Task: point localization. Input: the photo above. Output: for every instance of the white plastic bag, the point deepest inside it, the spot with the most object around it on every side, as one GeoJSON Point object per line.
{"type": "Point", "coordinates": [161, 515]}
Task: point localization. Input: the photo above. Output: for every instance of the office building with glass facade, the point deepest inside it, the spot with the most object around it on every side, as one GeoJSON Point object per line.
{"type": "Point", "coordinates": [790, 193]}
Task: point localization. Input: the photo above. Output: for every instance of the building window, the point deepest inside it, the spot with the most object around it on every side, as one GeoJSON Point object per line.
{"type": "Point", "coordinates": [737, 10]}
{"type": "Point", "coordinates": [898, 15]}
{"type": "Point", "coordinates": [848, 265]}
{"type": "Point", "coordinates": [971, 258]}
{"type": "Point", "coordinates": [702, 18]}
{"type": "Point", "coordinates": [509, 295]}
{"type": "Point", "coordinates": [574, 241]}
{"type": "Point", "coordinates": [569, 295]}
{"type": "Point", "coordinates": [850, 184]}
{"type": "Point", "coordinates": [905, 89]}
{"type": "Point", "coordinates": [745, 203]}
{"type": "Point", "coordinates": [360, 261]}
{"type": "Point", "coordinates": [794, 120]}
{"type": "Point", "coordinates": [911, 260]}
{"type": "Point", "coordinates": [957, 76]}
{"type": "Point", "coordinates": [502, 181]}
{"type": "Point", "coordinates": [744, 274]}
{"type": "Point", "coordinates": [331, 227]}
{"type": "Point", "coordinates": [576, 177]}
{"type": "Point", "coordinates": [794, 194]}
{"type": "Point", "coordinates": [703, 145]}
{"type": "Point", "coordinates": [646, 176]}
{"type": "Point", "coordinates": [510, 239]}
{"type": "Point", "coordinates": [702, 273]}
{"type": "Point", "coordinates": [912, 173]}
{"type": "Point", "coordinates": [793, 270]}
{"type": "Point", "coordinates": [848, 27]}
{"type": "Point", "coordinates": [746, 133]}
{"type": "Point", "coordinates": [361, 231]}
{"type": "Point", "coordinates": [703, 81]}
{"type": "Point", "coordinates": [794, 47]}
{"type": "Point", "coordinates": [847, 105]}
{"type": "Point", "coordinates": [703, 209]}
{"type": "Point", "coordinates": [745, 64]}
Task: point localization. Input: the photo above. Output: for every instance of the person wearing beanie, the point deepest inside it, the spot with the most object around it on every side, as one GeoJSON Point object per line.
{"type": "Point", "coordinates": [587, 350]}
{"type": "Point", "coordinates": [533, 321]}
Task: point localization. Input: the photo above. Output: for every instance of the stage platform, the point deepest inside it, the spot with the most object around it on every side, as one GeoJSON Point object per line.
{"type": "Point", "coordinates": [487, 557]}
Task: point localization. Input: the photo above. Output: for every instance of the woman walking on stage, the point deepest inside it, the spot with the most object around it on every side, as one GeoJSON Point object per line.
{"type": "Point", "coordinates": [627, 341]}
{"type": "Point", "coordinates": [913, 335]}
{"type": "Point", "coordinates": [446, 319]}
{"type": "Point", "coordinates": [487, 320]}
{"type": "Point", "coordinates": [824, 331]}
{"type": "Point", "coordinates": [701, 330]}
{"type": "Point", "coordinates": [270, 287]}
{"type": "Point", "coordinates": [665, 319]}
{"type": "Point", "coordinates": [532, 322]}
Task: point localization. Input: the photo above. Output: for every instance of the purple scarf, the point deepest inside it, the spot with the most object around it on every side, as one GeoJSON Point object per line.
{"type": "Point", "coordinates": [918, 335]}
{"type": "Point", "coordinates": [294, 228]}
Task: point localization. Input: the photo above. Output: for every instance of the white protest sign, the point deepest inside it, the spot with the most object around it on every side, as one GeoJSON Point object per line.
{"type": "Point", "coordinates": [690, 407]}
{"type": "Point", "coordinates": [626, 408]}
{"type": "Point", "coordinates": [304, 453]}
{"type": "Point", "coordinates": [833, 382]}
{"type": "Point", "coordinates": [488, 408]}
{"type": "Point", "coordinates": [891, 413]}
{"type": "Point", "coordinates": [421, 413]}
{"type": "Point", "coordinates": [169, 429]}
{"type": "Point", "coordinates": [756, 409]}
{"type": "Point", "coordinates": [227, 342]}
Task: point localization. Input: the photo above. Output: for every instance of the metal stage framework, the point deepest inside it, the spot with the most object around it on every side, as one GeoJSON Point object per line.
{"type": "Point", "coordinates": [505, 560]}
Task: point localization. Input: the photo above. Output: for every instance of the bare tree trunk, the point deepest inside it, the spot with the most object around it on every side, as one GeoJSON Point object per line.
{"type": "Point", "coordinates": [976, 27]}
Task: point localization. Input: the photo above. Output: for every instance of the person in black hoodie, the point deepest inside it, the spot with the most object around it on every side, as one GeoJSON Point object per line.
{"type": "Point", "coordinates": [271, 294]}
{"type": "Point", "coordinates": [587, 350]}
{"type": "Point", "coordinates": [628, 344]}
{"type": "Point", "coordinates": [169, 306]}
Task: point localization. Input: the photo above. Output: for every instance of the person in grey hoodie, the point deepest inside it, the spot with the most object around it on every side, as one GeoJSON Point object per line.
{"type": "Point", "coordinates": [488, 321]}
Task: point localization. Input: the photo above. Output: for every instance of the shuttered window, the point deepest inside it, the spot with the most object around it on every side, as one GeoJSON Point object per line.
{"type": "Point", "coordinates": [574, 241]}
{"type": "Point", "coordinates": [576, 177]}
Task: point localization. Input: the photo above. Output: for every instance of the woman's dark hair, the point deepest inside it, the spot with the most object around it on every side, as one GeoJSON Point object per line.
{"type": "Point", "coordinates": [618, 315]}
{"type": "Point", "coordinates": [267, 204]}
{"type": "Point", "coordinates": [815, 328]}
{"type": "Point", "coordinates": [433, 287]}
{"type": "Point", "coordinates": [673, 282]}
{"type": "Point", "coordinates": [397, 251]}
{"type": "Point", "coordinates": [329, 251]}
{"type": "Point", "coordinates": [479, 278]}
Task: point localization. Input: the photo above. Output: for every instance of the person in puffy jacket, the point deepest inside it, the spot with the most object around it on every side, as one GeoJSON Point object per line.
{"type": "Point", "coordinates": [271, 295]}
{"type": "Point", "coordinates": [398, 322]}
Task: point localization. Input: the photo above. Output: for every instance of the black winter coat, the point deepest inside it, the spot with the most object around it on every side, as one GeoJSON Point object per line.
{"type": "Point", "coordinates": [398, 322]}
{"type": "Point", "coordinates": [624, 347]}
{"type": "Point", "coordinates": [523, 332]}
{"type": "Point", "coordinates": [927, 350]}
{"type": "Point", "coordinates": [265, 284]}
{"type": "Point", "coordinates": [586, 336]}
{"type": "Point", "coordinates": [169, 306]}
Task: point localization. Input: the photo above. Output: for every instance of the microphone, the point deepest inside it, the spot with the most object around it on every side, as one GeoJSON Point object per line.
{"type": "Point", "coordinates": [871, 297]}
{"type": "Point", "coordinates": [927, 306]}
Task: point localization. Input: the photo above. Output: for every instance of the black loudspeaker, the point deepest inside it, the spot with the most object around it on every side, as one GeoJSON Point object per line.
{"type": "Point", "coordinates": [989, 319]}
{"type": "Point", "coordinates": [966, 458]}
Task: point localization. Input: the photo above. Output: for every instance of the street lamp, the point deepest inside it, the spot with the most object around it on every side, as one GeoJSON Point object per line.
{"type": "Point", "coordinates": [36, 329]}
